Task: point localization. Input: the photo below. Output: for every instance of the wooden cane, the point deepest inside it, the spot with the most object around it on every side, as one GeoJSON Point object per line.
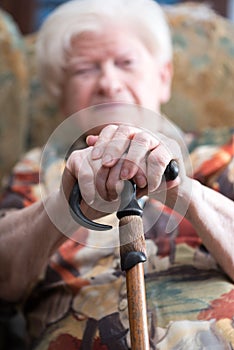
{"type": "Point", "coordinates": [133, 255]}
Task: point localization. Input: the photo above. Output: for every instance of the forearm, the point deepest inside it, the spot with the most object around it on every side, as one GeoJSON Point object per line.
{"type": "Point", "coordinates": [212, 215]}
{"type": "Point", "coordinates": [28, 238]}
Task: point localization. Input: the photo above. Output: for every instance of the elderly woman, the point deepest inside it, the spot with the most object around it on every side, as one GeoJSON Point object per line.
{"type": "Point", "coordinates": [110, 56]}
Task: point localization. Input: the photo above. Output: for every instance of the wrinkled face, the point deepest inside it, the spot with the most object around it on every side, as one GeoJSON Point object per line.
{"type": "Point", "coordinates": [113, 65]}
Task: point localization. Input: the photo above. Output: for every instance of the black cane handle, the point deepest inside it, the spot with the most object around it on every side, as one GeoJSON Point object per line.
{"type": "Point", "coordinates": [171, 172]}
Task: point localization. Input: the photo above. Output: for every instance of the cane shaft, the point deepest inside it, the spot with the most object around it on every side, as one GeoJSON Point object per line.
{"type": "Point", "coordinates": [137, 308]}
{"type": "Point", "coordinates": [132, 240]}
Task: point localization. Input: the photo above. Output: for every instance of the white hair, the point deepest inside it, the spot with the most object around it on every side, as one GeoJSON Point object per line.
{"type": "Point", "coordinates": [76, 16]}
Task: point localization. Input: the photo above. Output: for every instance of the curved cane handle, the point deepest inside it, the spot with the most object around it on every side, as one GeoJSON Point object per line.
{"type": "Point", "coordinates": [171, 172]}
{"type": "Point", "coordinates": [78, 216]}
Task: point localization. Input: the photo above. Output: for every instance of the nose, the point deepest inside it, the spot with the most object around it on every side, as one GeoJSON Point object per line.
{"type": "Point", "coordinates": [109, 83]}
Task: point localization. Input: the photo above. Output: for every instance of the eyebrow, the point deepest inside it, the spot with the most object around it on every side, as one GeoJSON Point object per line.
{"type": "Point", "coordinates": [80, 59]}
{"type": "Point", "coordinates": [86, 59]}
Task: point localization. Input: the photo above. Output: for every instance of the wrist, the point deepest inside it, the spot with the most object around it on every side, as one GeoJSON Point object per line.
{"type": "Point", "coordinates": [177, 198]}
{"type": "Point", "coordinates": [57, 209]}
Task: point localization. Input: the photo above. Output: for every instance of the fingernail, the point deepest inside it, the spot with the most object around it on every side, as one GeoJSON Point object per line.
{"type": "Point", "coordinates": [119, 186]}
{"type": "Point", "coordinates": [141, 182]}
{"type": "Point", "coordinates": [124, 174]}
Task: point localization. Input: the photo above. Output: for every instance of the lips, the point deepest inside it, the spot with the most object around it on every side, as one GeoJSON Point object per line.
{"type": "Point", "coordinates": [110, 104]}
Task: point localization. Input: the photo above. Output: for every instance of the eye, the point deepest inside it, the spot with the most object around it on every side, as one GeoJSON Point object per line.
{"type": "Point", "coordinates": [126, 63]}
{"type": "Point", "coordinates": [84, 69]}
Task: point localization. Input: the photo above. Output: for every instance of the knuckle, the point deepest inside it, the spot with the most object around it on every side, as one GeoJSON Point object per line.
{"type": "Point", "coordinates": [117, 148]}
{"type": "Point", "coordinates": [158, 164]}
{"type": "Point", "coordinates": [72, 160]}
{"type": "Point", "coordinates": [142, 139]}
{"type": "Point", "coordinates": [125, 130]}
{"type": "Point", "coordinates": [107, 133]}
{"type": "Point", "coordinates": [110, 128]}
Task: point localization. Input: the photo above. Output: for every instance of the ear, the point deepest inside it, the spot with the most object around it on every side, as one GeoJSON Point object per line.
{"type": "Point", "coordinates": [166, 75]}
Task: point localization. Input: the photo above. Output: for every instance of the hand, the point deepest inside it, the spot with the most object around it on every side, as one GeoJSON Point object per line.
{"type": "Point", "coordinates": [82, 168]}
{"type": "Point", "coordinates": [132, 153]}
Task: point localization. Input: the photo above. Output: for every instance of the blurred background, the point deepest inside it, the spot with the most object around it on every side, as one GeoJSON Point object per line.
{"type": "Point", "coordinates": [29, 14]}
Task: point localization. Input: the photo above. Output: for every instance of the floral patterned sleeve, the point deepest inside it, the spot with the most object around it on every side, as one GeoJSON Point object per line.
{"type": "Point", "coordinates": [22, 187]}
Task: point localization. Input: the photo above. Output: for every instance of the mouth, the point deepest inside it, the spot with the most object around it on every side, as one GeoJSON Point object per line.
{"type": "Point", "coordinates": [110, 105]}
{"type": "Point", "coordinates": [111, 112]}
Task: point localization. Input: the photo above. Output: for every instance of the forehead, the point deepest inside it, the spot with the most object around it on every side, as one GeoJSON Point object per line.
{"type": "Point", "coordinates": [109, 40]}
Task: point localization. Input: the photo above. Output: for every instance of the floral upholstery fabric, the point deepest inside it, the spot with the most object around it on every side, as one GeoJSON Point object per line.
{"type": "Point", "coordinates": [204, 68]}
{"type": "Point", "coordinates": [43, 112]}
{"type": "Point", "coordinates": [190, 300]}
{"type": "Point", "coordinates": [13, 93]}
{"type": "Point", "coordinates": [80, 302]}
{"type": "Point", "coordinates": [201, 92]}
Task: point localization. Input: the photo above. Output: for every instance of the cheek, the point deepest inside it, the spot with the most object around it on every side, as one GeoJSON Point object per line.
{"type": "Point", "coordinates": [153, 88]}
{"type": "Point", "coordinates": [147, 91]}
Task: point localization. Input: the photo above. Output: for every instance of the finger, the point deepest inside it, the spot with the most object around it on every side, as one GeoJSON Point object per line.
{"type": "Point", "coordinates": [108, 182]}
{"type": "Point", "coordinates": [75, 160]}
{"type": "Point", "coordinates": [114, 184]}
{"type": "Point", "coordinates": [108, 187]}
{"type": "Point", "coordinates": [140, 178]}
{"type": "Point", "coordinates": [118, 145]}
{"type": "Point", "coordinates": [157, 162]}
{"type": "Point", "coordinates": [91, 140]}
{"type": "Point", "coordinates": [139, 148]}
{"type": "Point", "coordinates": [104, 137]}
{"type": "Point", "coordinates": [100, 183]}
{"type": "Point", "coordinates": [79, 166]}
{"type": "Point", "coordinates": [86, 180]}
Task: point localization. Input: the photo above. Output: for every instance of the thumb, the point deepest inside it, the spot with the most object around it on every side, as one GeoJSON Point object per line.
{"type": "Point", "coordinates": [91, 140]}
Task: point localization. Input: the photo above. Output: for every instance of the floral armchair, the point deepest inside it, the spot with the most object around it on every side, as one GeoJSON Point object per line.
{"type": "Point", "coordinates": [202, 92]}
{"type": "Point", "coordinates": [202, 100]}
